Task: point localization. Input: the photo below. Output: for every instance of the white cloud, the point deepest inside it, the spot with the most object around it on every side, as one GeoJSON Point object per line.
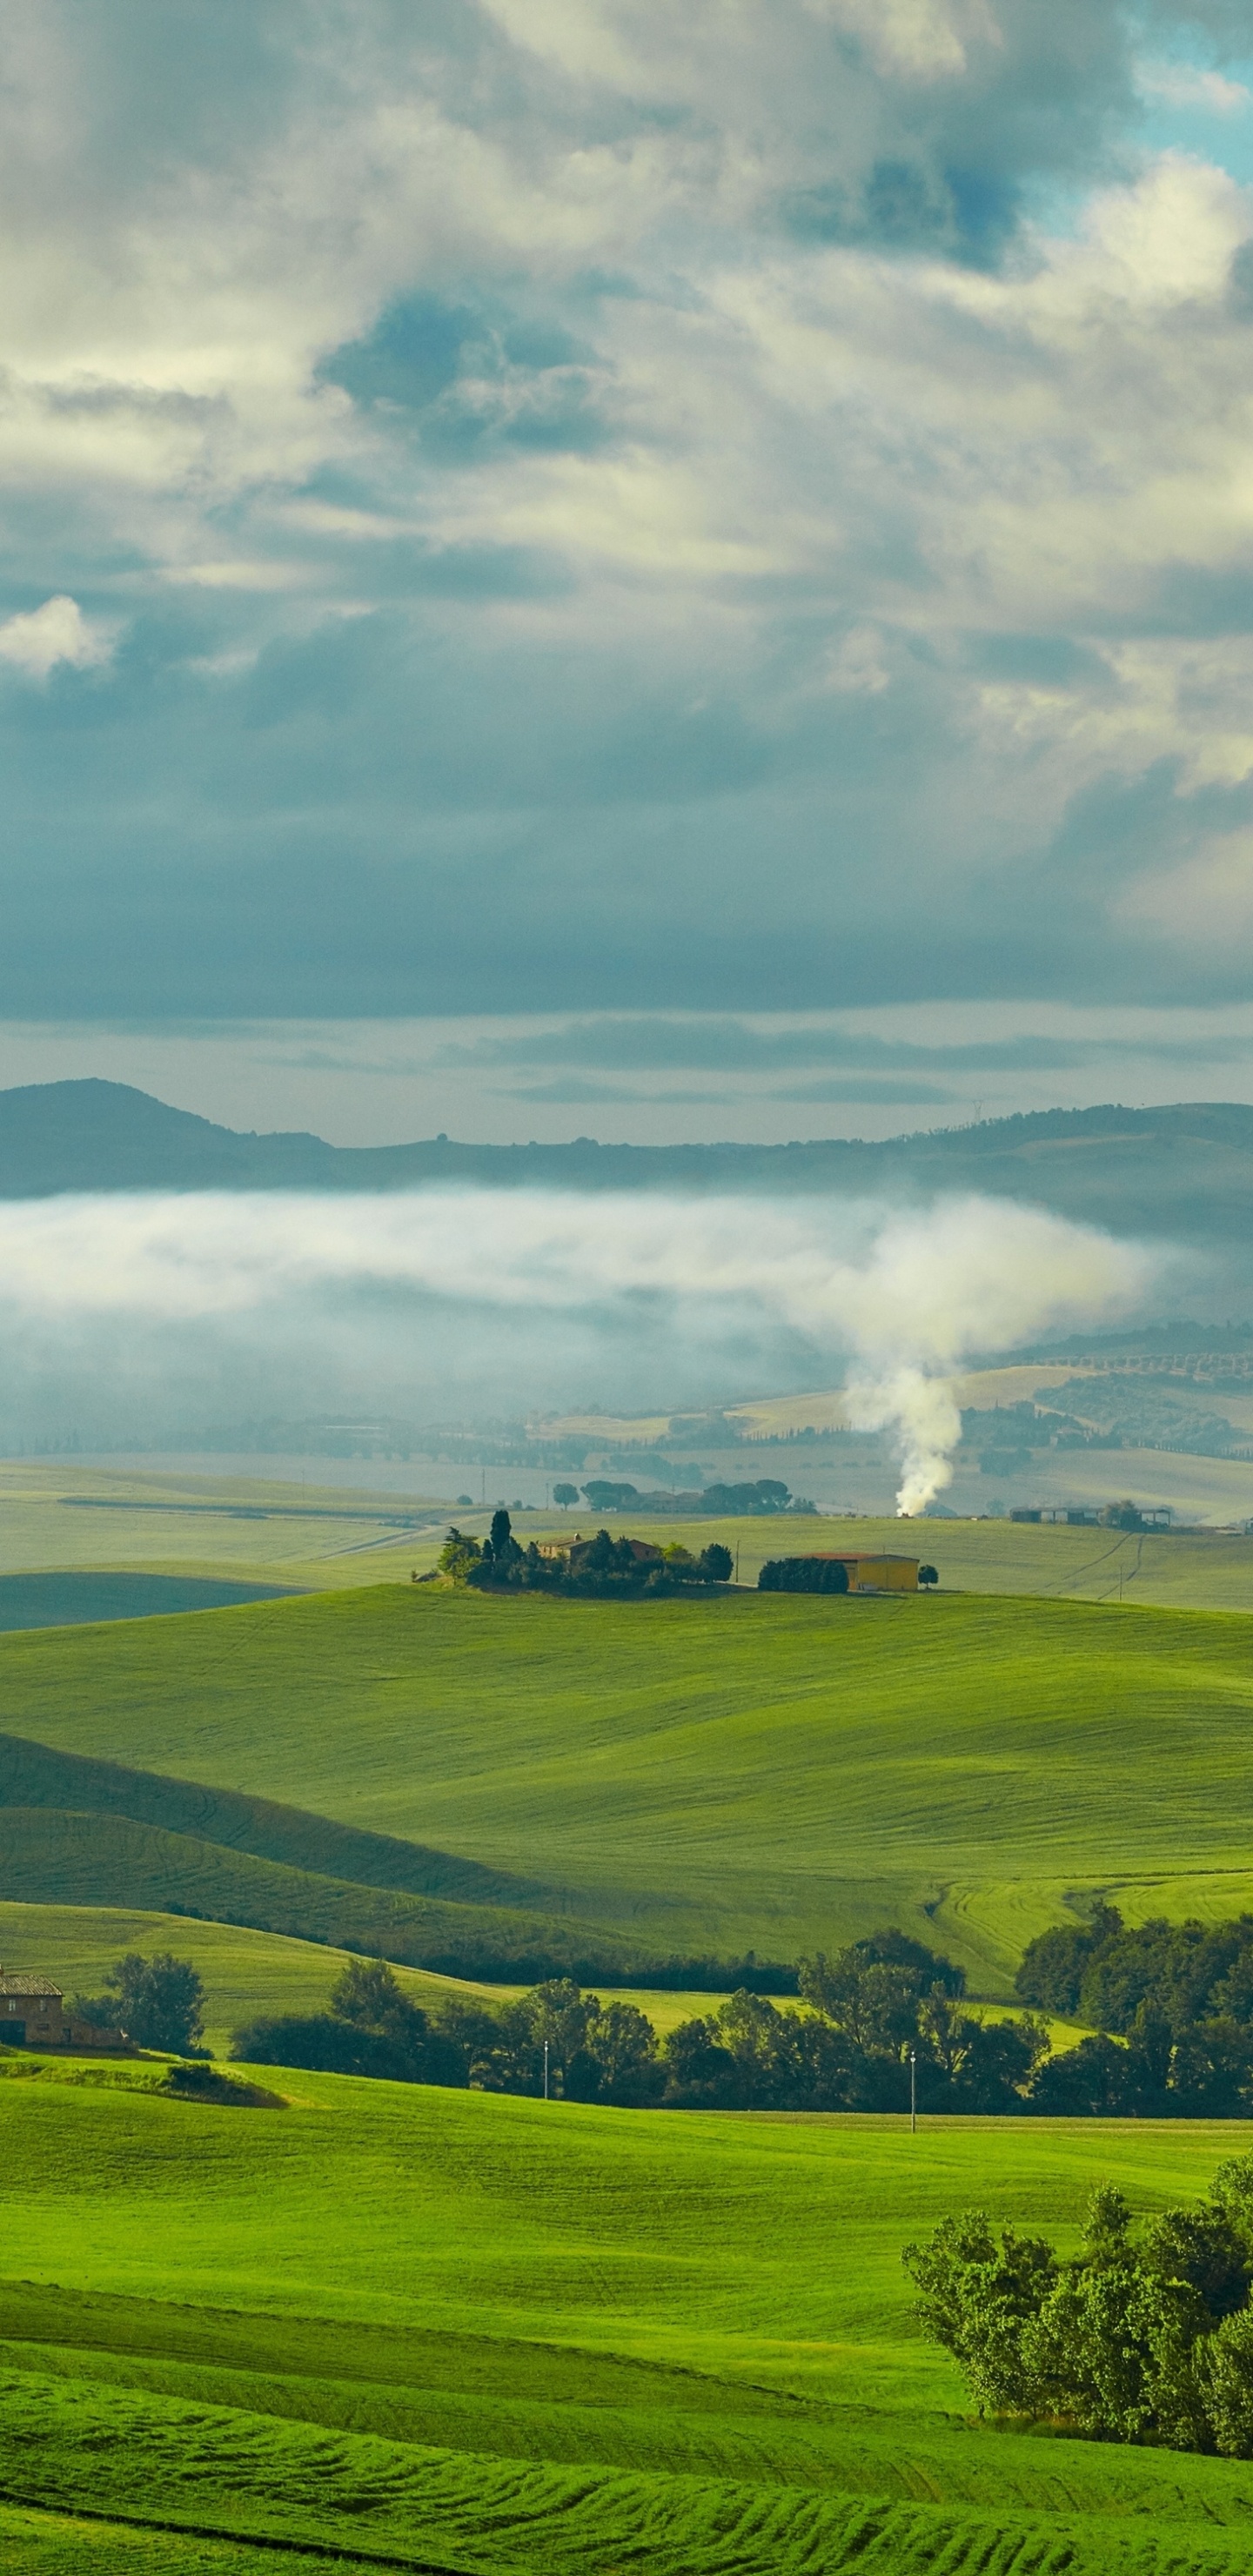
{"type": "Point", "coordinates": [1207, 903]}
{"type": "Point", "coordinates": [923, 39]}
{"type": "Point", "coordinates": [57, 632]}
{"type": "Point", "coordinates": [818, 460]}
{"type": "Point", "coordinates": [1186, 85]}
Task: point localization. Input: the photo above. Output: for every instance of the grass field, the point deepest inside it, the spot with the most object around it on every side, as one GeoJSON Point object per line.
{"type": "Point", "coordinates": [482, 2333]}
{"type": "Point", "coordinates": [487, 2336]}
{"type": "Point", "coordinates": [63, 1517]}
{"type": "Point", "coordinates": [765, 1772]}
{"type": "Point", "coordinates": [249, 1530]}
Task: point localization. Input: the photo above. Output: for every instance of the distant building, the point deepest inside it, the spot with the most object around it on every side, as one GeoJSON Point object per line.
{"type": "Point", "coordinates": [33, 2015]}
{"type": "Point", "coordinates": [832, 1571]}
{"type": "Point", "coordinates": [1149, 1516]}
{"type": "Point", "coordinates": [642, 1549]}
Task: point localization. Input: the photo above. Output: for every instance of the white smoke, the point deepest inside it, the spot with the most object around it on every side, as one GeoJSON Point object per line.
{"type": "Point", "coordinates": [908, 1297]}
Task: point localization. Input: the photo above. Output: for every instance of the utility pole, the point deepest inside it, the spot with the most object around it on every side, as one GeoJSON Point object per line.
{"type": "Point", "coordinates": [545, 2070]}
{"type": "Point", "coordinates": [913, 2093]}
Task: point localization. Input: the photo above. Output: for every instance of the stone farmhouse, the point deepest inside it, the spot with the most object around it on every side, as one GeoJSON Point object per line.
{"type": "Point", "coordinates": [573, 1551]}
{"type": "Point", "coordinates": [33, 2015]}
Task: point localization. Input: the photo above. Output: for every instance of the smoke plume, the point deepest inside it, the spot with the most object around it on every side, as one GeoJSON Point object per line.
{"type": "Point", "coordinates": [902, 1299]}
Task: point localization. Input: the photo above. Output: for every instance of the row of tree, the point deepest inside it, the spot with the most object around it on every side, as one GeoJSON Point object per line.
{"type": "Point", "coordinates": [1146, 2335]}
{"type": "Point", "coordinates": [717, 1501]}
{"type": "Point", "coordinates": [862, 2013]}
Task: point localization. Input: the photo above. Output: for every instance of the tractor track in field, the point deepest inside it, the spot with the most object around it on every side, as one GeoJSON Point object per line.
{"type": "Point", "coordinates": [337, 2552]}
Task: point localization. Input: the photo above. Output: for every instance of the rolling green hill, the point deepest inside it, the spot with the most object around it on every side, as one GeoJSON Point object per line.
{"type": "Point", "coordinates": [713, 1774]}
{"type": "Point", "coordinates": [51, 1858]}
{"type": "Point", "coordinates": [482, 2334]}
{"type": "Point", "coordinates": [36, 1775]}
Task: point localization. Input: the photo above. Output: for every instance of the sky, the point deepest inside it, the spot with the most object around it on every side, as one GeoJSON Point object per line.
{"type": "Point", "coordinates": [572, 566]}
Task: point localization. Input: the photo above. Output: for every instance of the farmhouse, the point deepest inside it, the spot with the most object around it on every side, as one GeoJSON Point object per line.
{"type": "Point", "coordinates": [642, 1550]}
{"type": "Point", "coordinates": [831, 1571]}
{"type": "Point", "coordinates": [574, 1551]}
{"type": "Point", "coordinates": [33, 2015]}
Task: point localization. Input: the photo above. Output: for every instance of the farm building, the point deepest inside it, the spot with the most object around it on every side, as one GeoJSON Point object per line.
{"type": "Point", "coordinates": [33, 2015]}
{"type": "Point", "coordinates": [834, 1572]}
{"type": "Point", "coordinates": [573, 1551]}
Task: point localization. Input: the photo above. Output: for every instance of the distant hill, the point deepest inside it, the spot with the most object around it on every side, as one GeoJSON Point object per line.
{"type": "Point", "coordinates": [1185, 1170]}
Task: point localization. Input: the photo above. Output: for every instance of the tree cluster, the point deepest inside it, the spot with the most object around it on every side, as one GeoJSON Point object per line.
{"type": "Point", "coordinates": [596, 2052]}
{"type": "Point", "coordinates": [606, 1565]}
{"type": "Point", "coordinates": [370, 2028]}
{"type": "Point", "coordinates": [862, 2013]}
{"type": "Point", "coordinates": [1146, 2335]}
{"type": "Point", "coordinates": [158, 2002]}
{"type": "Point", "coordinates": [1172, 2009]}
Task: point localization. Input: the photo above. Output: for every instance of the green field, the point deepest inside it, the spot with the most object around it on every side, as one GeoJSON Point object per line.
{"type": "Point", "coordinates": [707, 1774]}
{"type": "Point", "coordinates": [241, 1529]}
{"type": "Point", "coordinates": [484, 2333]}
{"type": "Point", "coordinates": [489, 2336]}
{"type": "Point", "coordinates": [325, 1538]}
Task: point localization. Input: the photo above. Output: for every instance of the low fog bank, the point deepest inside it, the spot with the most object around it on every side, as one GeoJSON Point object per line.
{"type": "Point", "coordinates": [173, 1311]}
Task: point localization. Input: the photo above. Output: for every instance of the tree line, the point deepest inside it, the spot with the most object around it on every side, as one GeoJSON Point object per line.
{"type": "Point", "coordinates": [1145, 2335]}
{"type": "Point", "coordinates": [1171, 2005]}
{"type": "Point", "coordinates": [714, 1502]}
{"type": "Point", "coordinates": [847, 2048]}
{"type": "Point", "coordinates": [1179, 1999]}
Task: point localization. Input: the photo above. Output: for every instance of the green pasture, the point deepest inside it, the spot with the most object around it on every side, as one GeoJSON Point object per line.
{"type": "Point", "coordinates": [241, 1529]}
{"type": "Point", "coordinates": [712, 1774]}
{"type": "Point", "coordinates": [480, 2333]}
{"type": "Point", "coordinates": [328, 1538]}
{"type": "Point", "coordinates": [53, 1858]}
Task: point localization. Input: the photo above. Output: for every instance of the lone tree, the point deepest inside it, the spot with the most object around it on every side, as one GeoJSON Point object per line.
{"type": "Point", "coordinates": [458, 1554]}
{"type": "Point", "coordinates": [565, 1495]}
{"type": "Point", "coordinates": [502, 1549]}
{"type": "Point", "coordinates": [158, 2002]}
{"type": "Point", "coordinates": [927, 1576]}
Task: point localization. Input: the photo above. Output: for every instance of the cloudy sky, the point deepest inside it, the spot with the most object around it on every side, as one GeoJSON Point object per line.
{"type": "Point", "coordinates": [583, 566]}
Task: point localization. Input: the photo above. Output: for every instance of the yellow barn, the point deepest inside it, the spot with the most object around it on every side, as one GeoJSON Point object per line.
{"type": "Point", "coordinates": [878, 1573]}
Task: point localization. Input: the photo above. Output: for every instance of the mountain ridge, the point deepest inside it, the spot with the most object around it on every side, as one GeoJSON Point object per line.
{"type": "Point", "coordinates": [1185, 1168]}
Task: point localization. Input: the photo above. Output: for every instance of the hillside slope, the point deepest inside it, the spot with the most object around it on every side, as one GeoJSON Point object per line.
{"type": "Point", "coordinates": [755, 1771]}
{"type": "Point", "coordinates": [459, 2331]}
{"type": "Point", "coordinates": [48, 1857]}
